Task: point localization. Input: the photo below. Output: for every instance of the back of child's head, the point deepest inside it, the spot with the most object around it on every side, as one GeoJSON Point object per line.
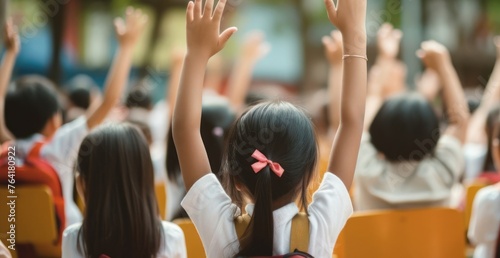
{"type": "Point", "coordinates": [216, 118]}
{"type": "Point", "coordinates": [284, 134]}
{"type": "Point", "coordinates": [139, 97]}
{"type": "Point", "coordinates": [79, 90]}
{"type": "Point", "coordinates": [30, 103]}
{"type": "Point", "coordinates": [116, 176]}
{"type": "Point", "coordinates": [406, 128]}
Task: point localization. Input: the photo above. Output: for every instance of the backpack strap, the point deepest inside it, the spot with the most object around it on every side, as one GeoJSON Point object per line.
{"type": "Point", "coordinates": [299, 233]}
{"type": "Point", "coordinates": [241, 224]}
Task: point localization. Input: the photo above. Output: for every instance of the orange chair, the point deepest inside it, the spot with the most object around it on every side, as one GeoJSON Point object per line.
{"type": "Point", "coordinates": [470, 194]}
{"type": "Point", "coordinates": [194, 245]}
{"type": "Point", "coordinates": [430, 233]}
{"type": "Point", "coordinates": [35, 219]}
{"type": "Point", "coordinates": [161, 199]}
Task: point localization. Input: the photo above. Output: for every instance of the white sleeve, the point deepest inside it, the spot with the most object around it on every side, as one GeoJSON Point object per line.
{"type": "Point", "coordinates": [4, 252]}
{"type": "Point", "coordinates": [69, 242]}
{"type": "Point", "coordinates": [212, 212]}
{"type": "Point", "coordinates": [483, 214]}
{"type": "Point", "coordinates": [174, 241]}
{"type": "Point", "coordinates": [64, 145]}
{"type": "Point", "coordinates": [329, 211]}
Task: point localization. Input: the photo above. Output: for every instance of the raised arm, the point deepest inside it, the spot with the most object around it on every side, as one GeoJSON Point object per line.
{"type": "Point", "coordinates": [254, 48]}
{"type": "Point", "coordinates": [174, 80]}
{"type": "Point", "coordinates": [491, 96]}
{"type": "Point", "coordinates": [349, 17]}
{"type": "Point", "coordinates": [12, 44]}
{"type": "Point", "coordinates": [333, 53]}
{"type": "Point", "coordinates": [436, 57]}
{"type": "Point", "coordinates": [203, 41]}
{"type": "Point", "coordinates": [387, 76]}
{"type": "Point", "coordinates": [128, 32]}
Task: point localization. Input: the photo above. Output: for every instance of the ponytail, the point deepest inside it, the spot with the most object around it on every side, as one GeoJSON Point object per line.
{"type": "Point", "coordinates": [258, 237]}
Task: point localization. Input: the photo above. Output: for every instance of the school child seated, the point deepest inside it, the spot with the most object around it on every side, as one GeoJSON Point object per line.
{"type": "Point", "coordinates": [405, 161]}
{"type": "Point", "coordinates": [271, 150]}
{"type": "Point", "coordinates": [116, 180]}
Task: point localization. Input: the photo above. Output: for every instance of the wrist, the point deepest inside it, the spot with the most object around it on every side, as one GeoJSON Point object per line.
{"type": "Point", "coordinates": [354, 42]}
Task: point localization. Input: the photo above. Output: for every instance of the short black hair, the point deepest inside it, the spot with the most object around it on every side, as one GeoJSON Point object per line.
{"type": "Point", "coordinates": [30, 102]}
{"type": "Point", "coordinates": [139, 97]}
{"type": "Point", "coordinates": [405, 128]}
{"type": "Point", "coordinates": [79, 90]}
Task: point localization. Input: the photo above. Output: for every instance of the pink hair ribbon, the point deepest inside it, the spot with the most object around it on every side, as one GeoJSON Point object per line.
{"type": "Point", "coordinates": [262, 162]}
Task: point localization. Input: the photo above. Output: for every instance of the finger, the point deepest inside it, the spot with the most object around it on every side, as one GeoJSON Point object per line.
{"type": "Point", "coordinates": [226, 35]}
{"type": "Point", "coordinates": [420, 54]}
{"type": "Point", "coordinates": [197, 9]}
{"type": "Point", "coordinates": [327, 41]}
{"type": "Point", "coordinates": [265, 49]}
{"type": "Point", "coordinates": [331, 9]}
{"type": "Point", "coordinates": [119, 26]}
{"type": "Point", "coordinates": [337, 36]}
{"type": "Point", "coordinates": [397, 34]}
{"type": "Point", "coordinates": [209, 6]}
{"type": "Point", "coordinates": [129, 11]}
{"type": "Point", "coordinates": [189, 11]}
{"type": "Point", "coordinates": [219, 10]}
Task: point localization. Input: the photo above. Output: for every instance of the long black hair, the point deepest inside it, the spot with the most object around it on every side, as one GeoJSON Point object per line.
{"type": "Point", "coordinates": [121, 217]}
{"type": "Point", "coordinates": [491, 120]}
{"type": "Point", "coordinates": [284, 134]}
{"type": "Point", "coordinates": [216, 118]}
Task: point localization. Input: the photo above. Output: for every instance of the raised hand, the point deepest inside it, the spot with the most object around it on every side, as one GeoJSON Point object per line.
{"type": "Point", "coordinates": [129, 30]}
{"type": "Point", "coordinates": [434, 55]}
{"type": "Point", "coordinates": [203, 28]}
{"type": "Point", "coordinates": [12, 41]}
{"type": "Point", "coordinates": [388, 41]}
{"type": "Point", "coordinates": [333, 47]}
{"type": "Point", "coordinates": [255, 46]}
{"type": "Point", "coordinates": [349, 17]}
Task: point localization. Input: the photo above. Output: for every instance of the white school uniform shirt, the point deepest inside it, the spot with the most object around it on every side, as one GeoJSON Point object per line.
{"type": "Point", "coordinates": [212, 212]}
{"type": "Point", "coordinates": [60, 151]}
{"type": "Point", "coordinates": [381, 184]}
{"type": "Point", "coordinates": [475, 155]}
{"type": "Point", "coordinates": [485, 222]}
{"type": "Point", "coordinates": [172, 246]}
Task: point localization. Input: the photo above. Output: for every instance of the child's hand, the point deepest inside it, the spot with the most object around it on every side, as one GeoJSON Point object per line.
{"type": "Point", "coordinates": [434, 55]}
{"type": "Point", "coordinates": [349, 17]}
{"type": "Point", "coordinates": [255, 46]}
{"type": "Point", "coordinates": [12, 41]}
{"type": "Point", "coordinates": [129, 30]}
{"type": "Point", "coordinates": [388, 41]}
{"type": "Point", "coordinates": [203, 28]}
{"type": "Point", "coordinates": [333, 47]}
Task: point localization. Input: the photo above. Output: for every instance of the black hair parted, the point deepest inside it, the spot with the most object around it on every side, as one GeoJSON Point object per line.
{"type": "Point", "coordinates": [30, 103]}
{"type": "Point", "coordinates": [284, 134]}
{"type": "Point", "coordinates": [405, 128]}
{"type": "Point", "coordinates": [121, 217]}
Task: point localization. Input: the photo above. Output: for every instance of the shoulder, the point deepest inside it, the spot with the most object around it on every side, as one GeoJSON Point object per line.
{"type": "Point", "coordinates": [72, 230]}
{"type": "Point", "coordinates": [172, 230]}
{"type": "Point", "coordinates": [489, 194]}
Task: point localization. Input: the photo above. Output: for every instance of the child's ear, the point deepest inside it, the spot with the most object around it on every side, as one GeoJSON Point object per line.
{"type": "Point", "coordinates": [52, 125]}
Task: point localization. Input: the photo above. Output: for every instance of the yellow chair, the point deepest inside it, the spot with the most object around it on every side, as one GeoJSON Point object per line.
{"type": "Point", "coordinates": [194, 245]}
{"type": "Point", "coordinates": [470, 194]}
{"type": "Point", "coordinates": [161, 199]}
{"type": "Point", "coordinates": [35, 219]}
{"type": "Point", "coordinates": [429, 233]}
